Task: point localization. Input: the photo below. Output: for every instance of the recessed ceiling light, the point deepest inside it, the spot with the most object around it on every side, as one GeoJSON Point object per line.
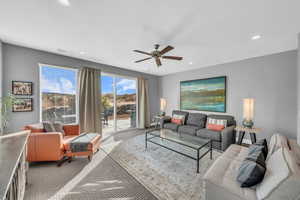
{"type": "Point", "coordinates": [255, 37]}
{"type": "Point", "coordinates": [64, 2]}
{"type": "Point", "coordinates": [82, 53]}
{"type": "Point", "coordinates": [190, 63]}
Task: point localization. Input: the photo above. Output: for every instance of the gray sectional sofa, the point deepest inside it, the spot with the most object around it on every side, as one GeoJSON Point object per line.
{"type": "Point", "coordinates": [195, 126]}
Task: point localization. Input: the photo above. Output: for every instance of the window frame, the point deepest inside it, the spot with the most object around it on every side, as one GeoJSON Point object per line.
{"type": "Point", "coordinates": [41, 65]}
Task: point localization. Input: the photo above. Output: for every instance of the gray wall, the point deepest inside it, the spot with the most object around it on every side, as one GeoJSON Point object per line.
{"type": "Point", "coordinates": [271, 80]}
{"type": "Point", "coordinates": [298, 78]}
{"type": "Point", "coordinates": [21, 63]}
{"type": "Point", "coordinates": [1, 72]}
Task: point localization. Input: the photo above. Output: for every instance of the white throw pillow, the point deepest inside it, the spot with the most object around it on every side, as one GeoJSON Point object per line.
{"type": "Point", "coordinates": [277, 172]}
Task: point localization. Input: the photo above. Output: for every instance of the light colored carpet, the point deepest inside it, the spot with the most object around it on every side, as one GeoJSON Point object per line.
{"type": "Point", "coordinates": [166, 174]}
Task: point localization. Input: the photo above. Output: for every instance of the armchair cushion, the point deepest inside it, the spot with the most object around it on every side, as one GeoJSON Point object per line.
{"type": "Point", "coordinates": [173, 127]}
{"type": "Point", "coordinates": [188, 129]}
{"type": "Point", "coordinates": [71, 129]}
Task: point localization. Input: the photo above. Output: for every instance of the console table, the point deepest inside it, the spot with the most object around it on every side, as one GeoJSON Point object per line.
{"type": "Point", "coordinates": [13, 165]}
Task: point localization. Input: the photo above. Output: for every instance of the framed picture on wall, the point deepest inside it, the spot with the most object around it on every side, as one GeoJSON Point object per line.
{"type": "Point", "coordinates": [22, 88]}
{"type": "Point", "coordinates": [204, 94]}
{"type": "Point", "coordinates": [23, 105]}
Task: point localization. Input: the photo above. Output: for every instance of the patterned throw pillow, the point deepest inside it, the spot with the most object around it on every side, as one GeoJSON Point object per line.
{"type": "Point", "coordinates": [178, 119]}
{"type": "Point", "coordinates": [58, 126]}
{"type": "Point", "coordinates": [216, 124]}
{"type": "Point", "coordinates": [48, 126]}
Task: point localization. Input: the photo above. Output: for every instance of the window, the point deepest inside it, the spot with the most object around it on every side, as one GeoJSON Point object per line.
{"type": "Point", "coordinates": [58, 88]}
{"type": "Point", "coordinates": [118, 102]}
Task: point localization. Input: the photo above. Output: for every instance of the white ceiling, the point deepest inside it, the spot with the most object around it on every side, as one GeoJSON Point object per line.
{"type": "Point", "coordinates": [204, 32]}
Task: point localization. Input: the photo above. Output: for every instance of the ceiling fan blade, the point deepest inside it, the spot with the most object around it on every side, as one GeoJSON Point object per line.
{"type": "Point", "coordinates": [172, 57]}
{"type": "Point", "coordinates": [143, 52]}
{"type": "Point", "coordinates": [165, 50]}
{"type": "Point", "coordinates": [142, 60]}
{"type": "Point", "coordinates": [158, 62]}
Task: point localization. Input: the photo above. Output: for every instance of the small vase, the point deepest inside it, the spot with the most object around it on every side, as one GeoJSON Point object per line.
{"type": "Point", "coordinates": [248, 123]}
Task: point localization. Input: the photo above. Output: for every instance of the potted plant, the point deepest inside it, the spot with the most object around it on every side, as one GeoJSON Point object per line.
{"type": "Point", "coordinates": [5, 108]}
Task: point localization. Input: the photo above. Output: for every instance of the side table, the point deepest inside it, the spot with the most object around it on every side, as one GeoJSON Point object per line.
{"type": "Point", "coordinates": [241, 133]}
{"type": "Point", "coordinates": [156, 121]}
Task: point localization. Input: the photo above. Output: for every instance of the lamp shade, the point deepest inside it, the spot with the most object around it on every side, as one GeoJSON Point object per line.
{"type": "Point", "coordinates": [248, 109]}
{"type": "Point", "coordinates": [163, 104]}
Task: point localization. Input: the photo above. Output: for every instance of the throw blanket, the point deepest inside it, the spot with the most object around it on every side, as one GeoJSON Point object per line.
{"type": "Point", "coordinates": [80, 143]}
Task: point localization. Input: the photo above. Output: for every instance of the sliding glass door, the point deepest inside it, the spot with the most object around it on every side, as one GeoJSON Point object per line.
{"type": "Point", "coordinates": [119, 98]}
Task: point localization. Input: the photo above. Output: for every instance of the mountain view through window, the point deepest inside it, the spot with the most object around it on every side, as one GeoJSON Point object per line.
{"type": "Point", "coordinates": [58, 94]}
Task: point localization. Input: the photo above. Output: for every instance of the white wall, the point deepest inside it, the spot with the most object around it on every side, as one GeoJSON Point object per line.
{"type": "Point", "coordinates": [271, 80]}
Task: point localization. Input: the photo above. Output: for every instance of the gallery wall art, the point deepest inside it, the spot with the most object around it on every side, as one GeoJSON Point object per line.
{"type": "Point", "coordinates": [21, 88]}
{"type": "Point", "coordinates": [23, 105]}
{"type": "Point", "coordinates": [204, 94]}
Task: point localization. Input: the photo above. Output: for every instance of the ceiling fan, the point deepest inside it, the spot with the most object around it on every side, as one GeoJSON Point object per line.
{"type": "Point", "coordinates": [157, 55]}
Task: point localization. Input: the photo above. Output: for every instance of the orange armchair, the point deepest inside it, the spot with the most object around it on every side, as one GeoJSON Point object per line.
{"type": "Point", "coordinates": [45, 146]}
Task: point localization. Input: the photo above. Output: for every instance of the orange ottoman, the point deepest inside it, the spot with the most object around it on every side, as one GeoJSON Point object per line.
{"type": "Point", "coordinates": [93, 146]}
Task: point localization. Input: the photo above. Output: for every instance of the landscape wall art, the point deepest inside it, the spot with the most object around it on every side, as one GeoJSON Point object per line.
{"type": "Point", "coordinates": [204, 94]}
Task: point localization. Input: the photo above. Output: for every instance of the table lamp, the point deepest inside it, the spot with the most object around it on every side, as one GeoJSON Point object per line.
{"type": "Point", "coordinates": [248, 112]}
{"type": "Point", "coordinates": [163, 105]}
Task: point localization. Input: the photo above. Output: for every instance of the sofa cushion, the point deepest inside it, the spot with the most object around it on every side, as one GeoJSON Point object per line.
{"type": "Point", "coordinates": [179, 112]}
{"type": "Point", "coordinates": [171, 126]}
{"type": "Point", "coordinates": [230, 119]}
{"type": "Point", "coordinates": [209, 134]}
{"type": "Point", "coordinates": [236, 152]}
{"type": "Point", "coordinates": [197, 119]}
{"type": "Point", "coordinates": [223, 173]}
{"type": "Point", "coordinates": [188, 129]}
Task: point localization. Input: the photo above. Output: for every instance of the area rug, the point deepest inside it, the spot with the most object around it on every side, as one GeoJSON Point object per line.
{"type": "Point", "coordinates": [167, 174]}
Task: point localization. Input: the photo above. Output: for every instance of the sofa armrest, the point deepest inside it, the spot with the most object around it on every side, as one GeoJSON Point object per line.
{"type": "Point", "coordinates": [164, 119]}
{"type": "Point", "coordinates": [228, 137]}
{"type": "Point", "coordinates": [71, 129]}
{"type": "Point", "coordinates": [45, 147]}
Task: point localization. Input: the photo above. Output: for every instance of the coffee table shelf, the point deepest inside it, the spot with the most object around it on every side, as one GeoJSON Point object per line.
{"type": "Point", "coordinates": [168, 139]}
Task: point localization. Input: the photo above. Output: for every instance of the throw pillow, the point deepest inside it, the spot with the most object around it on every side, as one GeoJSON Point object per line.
{"type": "Point", "coordinates": [215, 127]}
{"type": "Point", "coordinates": [253, 168]}
{"type": "Point", "coordinates": [178, 119]}
{"type": "Point", "coordinates": [48, 126]}
{"type": "Point", "coordinates": [216, 124]}
{"type": "Point", "coordinates": [58, 126]}
{"type": "Point", "coordinates": [277, 141]}
{"type": "Point", "coordinates": [263, 142]}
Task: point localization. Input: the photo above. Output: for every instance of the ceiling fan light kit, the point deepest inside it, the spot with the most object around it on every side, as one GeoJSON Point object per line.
{"type": "Point", "coordinates": [158, 55]}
